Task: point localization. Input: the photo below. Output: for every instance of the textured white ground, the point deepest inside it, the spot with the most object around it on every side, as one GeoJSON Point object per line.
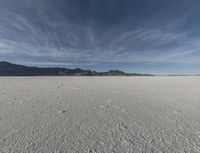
{"type": "Point", "coordinates": [100, 114]}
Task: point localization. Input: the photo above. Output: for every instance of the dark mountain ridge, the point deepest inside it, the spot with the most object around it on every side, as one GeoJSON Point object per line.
{"type": "Point", "coordinates": [9, 69]}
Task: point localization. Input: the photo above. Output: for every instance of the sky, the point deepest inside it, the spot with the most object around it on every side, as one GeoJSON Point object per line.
{"type": "Point", "coordinates": [143, 36]}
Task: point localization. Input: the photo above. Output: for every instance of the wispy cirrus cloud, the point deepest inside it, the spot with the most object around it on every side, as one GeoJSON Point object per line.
{"type": "Point", "coordinates": [95, 32]}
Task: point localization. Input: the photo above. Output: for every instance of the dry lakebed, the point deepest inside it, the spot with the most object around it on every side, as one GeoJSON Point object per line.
{"type": "Point", "coordinates": [100, 114]}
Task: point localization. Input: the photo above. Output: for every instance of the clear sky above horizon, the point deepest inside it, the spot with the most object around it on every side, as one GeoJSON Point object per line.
{"type": "Point", "coordinates": [146, 36]}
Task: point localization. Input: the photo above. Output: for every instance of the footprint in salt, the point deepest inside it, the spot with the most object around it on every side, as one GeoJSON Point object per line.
{"type": "Point", "coordinates": [104, 107]}
{"type": "Point", "coordinates": [177, 111]}
{"type": "Point", "coordinates": [62, 111]}
{"type": "Point", "coordinates": [120, 108]}
{"type": "Point", "coordinates": [60, 85]}
{"type": "Point", "coordinates": [36, 102]}
{"type": "Point", "coordinates": [111, 100]}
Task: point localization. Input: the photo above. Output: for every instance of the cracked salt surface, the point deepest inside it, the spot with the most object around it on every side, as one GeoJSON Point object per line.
{"type": "Point", "coordinates": [100, 114]}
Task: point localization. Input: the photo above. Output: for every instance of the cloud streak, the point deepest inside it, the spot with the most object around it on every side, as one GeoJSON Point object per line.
{"type": "Point", "coordinates": [66, 31]}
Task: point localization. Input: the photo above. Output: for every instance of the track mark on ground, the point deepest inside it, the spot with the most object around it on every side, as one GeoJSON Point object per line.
{"type": "Point", "coordinates": [62, 111]}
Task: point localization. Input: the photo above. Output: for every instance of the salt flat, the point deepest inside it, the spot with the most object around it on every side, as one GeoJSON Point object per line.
{"type": "Point", "coordinates": [99, 114]}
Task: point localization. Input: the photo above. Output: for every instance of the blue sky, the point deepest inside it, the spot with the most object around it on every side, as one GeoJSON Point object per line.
{"type": "Point", "coordinates": [146, 36]}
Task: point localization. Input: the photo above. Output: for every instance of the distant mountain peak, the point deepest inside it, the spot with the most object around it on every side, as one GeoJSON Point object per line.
{"type": "Point", "coordinates": [5, 62]}
{"type": "Point", "coordinates": [116, 71]}
{"type": "Point", "coordinates": [10, 69]}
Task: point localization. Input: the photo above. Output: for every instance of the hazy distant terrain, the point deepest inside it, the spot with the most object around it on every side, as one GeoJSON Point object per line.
{"type": "Point", "coordinates": [99, 114]}
{"type": "Point", "coordinates": [10, 69]}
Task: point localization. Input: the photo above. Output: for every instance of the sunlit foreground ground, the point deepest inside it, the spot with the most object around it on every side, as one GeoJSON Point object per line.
{"type": "Point", "coordinates": [99, 114]}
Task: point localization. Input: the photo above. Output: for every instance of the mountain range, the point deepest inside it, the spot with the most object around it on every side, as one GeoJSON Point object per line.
{"type": "Point", "coordinates": [10, 69]}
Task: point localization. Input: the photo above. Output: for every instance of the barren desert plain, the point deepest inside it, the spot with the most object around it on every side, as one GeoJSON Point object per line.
{"type": "Point", "coordinates": [100, 114]}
